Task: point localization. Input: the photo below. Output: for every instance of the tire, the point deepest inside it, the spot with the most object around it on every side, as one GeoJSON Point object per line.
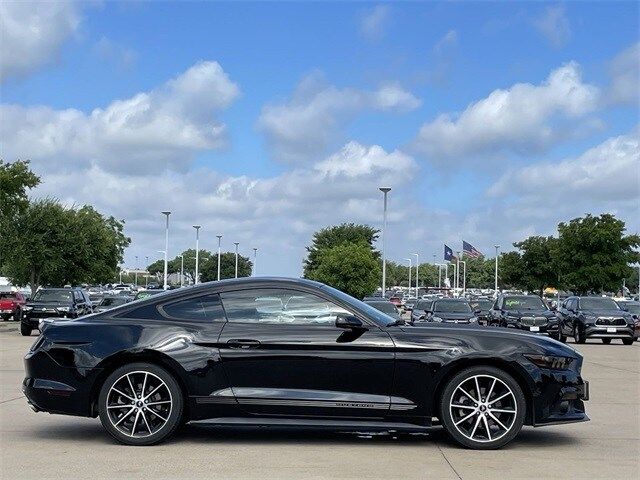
{"type": "Point", "coordinates": [560, 337]}
{"type": "Point", "coordinates": [25, 330]}
{"type": "Point", "coordinates": [141, 423]}
{"type": "Point", "coordinates": [578, 336]}
{"type": "Point", "coordinates": [606, 341]}
{"type": "Point", "coordinates": [476, 431]}
{"type": "Point", "coordinates": [627, 341]}
{"type": "Point", "coordinates": [17, 315]}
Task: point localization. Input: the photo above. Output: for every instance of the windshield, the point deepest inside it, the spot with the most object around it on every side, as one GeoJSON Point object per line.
{"type": "Point", "coordinates": [524, 303]}
{"type": "Point", "coordinates": [633, 308]}
{"type": "Point", "coordinates": [112, 301]}
{"type": "Point", "coordinates": [481, 304]}
{"type": "Point", "coordinates": [10, 295]}
{"type": "Point", "coordinates": [374, 314]}
{"type": "Point", "coordinates": [453, 306]}
{"type": "Point", "coordinates": [386, 307]}
{"type": "Point", "coordinates": [52, 296]}
{"type": "Point", "coordinates": [598, 303]}
{"type": "Point", "coordinates": [423, 305]}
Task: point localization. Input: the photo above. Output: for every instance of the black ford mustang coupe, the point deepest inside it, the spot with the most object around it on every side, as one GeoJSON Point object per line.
{"type": "Point", "coordinates": [290, 352]}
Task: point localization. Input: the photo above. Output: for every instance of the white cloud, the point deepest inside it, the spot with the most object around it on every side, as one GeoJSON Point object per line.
{"type": "Point", "coordinates": [605, 174]}
{"type": "Point", "coordinates": [448, 40]}
{"type": "Point", "coordinates": [519, 119]}
{"type": "Point", "coordinates": [355, 160]}
{"type": "Point", "coordinates": [160, 128]}
{"type": "Point", "coordinates": [306, 125]}
{"type": "Point", "coordinates": [554, 25]}
{"type": "Point", "coordinates": [373, 22]}
{"type": "Point", "coordinates": [625, 76]}
{"type": "Point", "coordinates": [32, 34]}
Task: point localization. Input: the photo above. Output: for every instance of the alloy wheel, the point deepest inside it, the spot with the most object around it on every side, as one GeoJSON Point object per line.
{"type": "Point", "coordinates": [483, 408]}
{"type": "Point", "coordinates": [139, 404]}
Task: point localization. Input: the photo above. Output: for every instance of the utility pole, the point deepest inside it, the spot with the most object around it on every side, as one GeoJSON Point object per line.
{"type": "Point", "coordinates": [385, 191]}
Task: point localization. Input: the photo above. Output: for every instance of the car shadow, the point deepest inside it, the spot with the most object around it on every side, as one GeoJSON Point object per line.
{"type": "Point", "coordinates": [212, 434]}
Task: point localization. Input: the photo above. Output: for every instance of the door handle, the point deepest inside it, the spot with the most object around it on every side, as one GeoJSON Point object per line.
{"type": "Point", "coordinates": [243, 343]}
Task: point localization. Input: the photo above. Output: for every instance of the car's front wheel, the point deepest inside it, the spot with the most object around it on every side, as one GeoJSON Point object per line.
{"type": "Point", "coordinates": [25, 330]}
{"type": "Point", "coordinates": [140, 404]}
{"type": "Point", "coordinates": [482, 408]}
{"type": "Point", "coordinates": [578, 334]}
{"type": "Point", "coordinates": [627, 341]}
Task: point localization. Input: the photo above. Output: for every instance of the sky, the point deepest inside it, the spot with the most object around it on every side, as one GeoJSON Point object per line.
{"type": "Point", "coordinates": [264, 122]}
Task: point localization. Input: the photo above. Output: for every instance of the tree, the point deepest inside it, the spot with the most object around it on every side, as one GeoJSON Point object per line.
{"type": "Point", "coordinates": [480, 272]}
{"type": "Point", "coordinates": [209, 268]}
{"type": "Point", "coordinates": [350, 267]}
{"type": "Point", "coordinates": [593, 254]}
{"type": "Point", "coordinates": [330, 237]}
{"type": "Point", "coordinates": [15, 180]}
{"type": "Point", "coordinates": [49, 244]}
{"type": "Point", "coordinates": [174, 265]}
{"type": "Point", "coordinates": [510, 269]}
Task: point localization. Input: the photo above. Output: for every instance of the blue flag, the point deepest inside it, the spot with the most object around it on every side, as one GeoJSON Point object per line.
{"type": "Point", "coordinates": [448, 254]}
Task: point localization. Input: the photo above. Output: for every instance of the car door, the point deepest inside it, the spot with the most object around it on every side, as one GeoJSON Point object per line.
{"type": "Point", "coordinates": [495, 312]}
{"type": "Point", "coordinates": [284, 355]}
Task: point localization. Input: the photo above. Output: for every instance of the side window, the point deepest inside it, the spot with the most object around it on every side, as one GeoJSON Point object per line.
{"type": "Point", "coordinates": [205, 308]}
{"type": "Point", "coordinates": [77, 296]}
{"type": "Point", "coordinates": [279, 306]}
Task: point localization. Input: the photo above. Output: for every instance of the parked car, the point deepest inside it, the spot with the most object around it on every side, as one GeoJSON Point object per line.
{"type": "Point", "coordinates": [54, 302]}
{"type": "Point", "coordinates": [211, 352]}
{"type": "Point", "coordinates": [11, 305]}
{"type": "Point", "coordinates": [385, 307]}
{"type": "Point", "coordinates": [397, 301]}
{"type": "Point", "coordinates": [595, 317]}
{"type": "Point", "coordinates": [524, 312]}
{"type": "Point", "coordinates": [147, 293]}
{"type": "Point", "coordinates": [111, 301]}
{"type": "Point", "coordinates": [410, 303]}
{"type": "Point", "coordinates": [482, 306]}
{"type": "Point", "coordinates": [420, 309]}
{"type": "Point", "coordinates": [451, 310]}
{"type": "Point", "coordinates": [633, 307]}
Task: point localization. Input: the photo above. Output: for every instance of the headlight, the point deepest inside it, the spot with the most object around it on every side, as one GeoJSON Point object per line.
{"type": "Point", "coordinates": [27, 308]}
{"type": "Point", "coordinates": [549, 361]}
{"type": "Point", "coordinates": [473, 319]}
{"type": "Point", "coordinates": [436, 319]}
{"type": "Point", "coordinates": [513, 318]}
{"type": "Point", "coordinates": [590, 319]}
{"type": "Point", "coordinates": [63, 309]}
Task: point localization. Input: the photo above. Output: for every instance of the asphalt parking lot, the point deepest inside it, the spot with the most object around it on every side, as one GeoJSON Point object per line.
{"type": "Point", "coordinates": [49, 446]}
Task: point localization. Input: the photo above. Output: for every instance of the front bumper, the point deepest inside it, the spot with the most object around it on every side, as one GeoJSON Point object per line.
{"type": "Point", "coordinates": [601, 331]}
{"type": "Point", "coordinates": [33, 318]}
{"type": "Point", "coordinates": [550, 329]}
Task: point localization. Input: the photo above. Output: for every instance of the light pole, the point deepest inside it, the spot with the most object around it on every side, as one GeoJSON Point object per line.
{"type": "Point", "coordinates": [146, 272]}
{"type": "Point", "coordinates": [219, 240]}
{"type": "Point", "coordinates": [163, 252]}
{"type": "Point", "coordinates": [417, 278]}
{"type": "Point", "coordinates": [439, 265]}
{"type": "Point", "coordinates": [135, 275]}
{"type": "Point", "coordinates": [464, 276]}
{"type": "Point", "coordinates": [197, 227]}
{"type": "Point", "coordinates": [236, 244]}
{"type": "Point", "coordinates": [409, 260]}
{"type": "Point", "coordinates": [455, 278]}
{"type": "Point", "coordinates": [385, 191]}
{"type": "Point", "coordinates": [255, 262]}
{"type": "Point", "coordinates": [181, 270]}
{"type": "Point", "coordinates": [446, 275]}
{"type": "Point", "coordinates": [495, 293]}
{"type": "Point", "coordinates": [166, 249]}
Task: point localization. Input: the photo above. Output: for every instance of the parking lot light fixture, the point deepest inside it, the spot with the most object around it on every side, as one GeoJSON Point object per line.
{"type": "Point", "coordinates": [197, 227]}
{"type": "Point", "coordinates": [236, 244]}
{"type": "Point", "coordinates": [181, 270]}
{"type": "Point", "coordinates": [255, 261]}
{"type": "Point", "coordinates": [219, 251]}
{"type": "Point", "coordinates": [495, 292]}
{"type": "Point", "coordinates": [136, 272]}
{"type": "Point", "coordinates": [385, 191]}
{"type": "Point", "coordinates": [146, 272]}
{"type": "Point", "coordinates": [166, 249]}
{"type": "Point", "coordinates": [410, 261]}
{"type": "Point", "coordinates": [417, 270]}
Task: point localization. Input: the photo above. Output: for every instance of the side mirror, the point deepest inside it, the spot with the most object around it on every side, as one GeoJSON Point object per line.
{"type": "Point", "coordinates": [553, 308]}
{"type": "Point", "coordinates": [350, 322]}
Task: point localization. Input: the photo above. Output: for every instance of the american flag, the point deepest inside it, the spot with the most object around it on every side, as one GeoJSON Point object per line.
{"type": "Point", "coordinates": [470, 251]}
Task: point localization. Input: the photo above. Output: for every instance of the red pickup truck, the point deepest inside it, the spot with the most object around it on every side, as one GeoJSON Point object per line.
{"type": "Point", "coordinates": [11, 304]}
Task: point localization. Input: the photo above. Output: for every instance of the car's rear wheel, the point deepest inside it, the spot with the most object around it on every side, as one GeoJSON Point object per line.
{"type": "Point", "coordinates": [606, 341]}
{"type": "Point", "coordinates": [140, 404]}
{"type": "Point", "coordinates": [627, 341]}
{"type": "Point", "coordinates": [482, 408]}
{"type": "Point", "coordinates": [578, 335]}
{"type": "Point", "coordinates": [25, 330]}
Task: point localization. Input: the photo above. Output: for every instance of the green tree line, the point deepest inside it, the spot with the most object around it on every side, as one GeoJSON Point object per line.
{"type": "Point", "coordinates": [207, 266]}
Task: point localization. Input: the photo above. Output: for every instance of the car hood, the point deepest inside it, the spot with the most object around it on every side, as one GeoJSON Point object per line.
{"type": "Point", "coordinates": [453, 316]}
{"type": "Point", "coordinates": [605, 313]}
{"type": "Point", "coordinates": [37, 304]}
{"type": "Point", "coordinates": [531, 313]}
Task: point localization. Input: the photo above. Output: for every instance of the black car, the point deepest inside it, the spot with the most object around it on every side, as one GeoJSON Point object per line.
{"type": "Point", "coordinates": [420, 310]}
{"type": "Point", "coordinates": [111, 301]}
{"type": "Point", "coordinates": [595, 317]}
{"type": "Point", "coordinates": [292, 352]}
{"type": "Point", "coordinates": [385, 307]}
{"type": "Point", "coordinates": [524, 312]}
{"type": "Point", "coordinates": [482, 306]}
{"type": "Point", "coordinates": [633, 307]}
{"type": "Point", "coordinates": [54, 302]}
{"type": "Point", "coordinates": [450, 310]}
